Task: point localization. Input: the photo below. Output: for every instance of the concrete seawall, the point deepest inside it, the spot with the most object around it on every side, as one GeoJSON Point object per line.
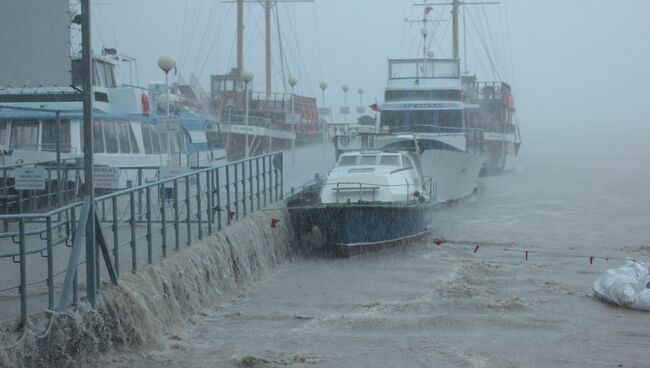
{"type": "Point", "coordinates": [147, 305]}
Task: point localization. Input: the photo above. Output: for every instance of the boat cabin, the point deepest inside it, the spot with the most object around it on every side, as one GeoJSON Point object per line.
{"type": "Point", "coordinates": [373, 177]}
{"type": "Point", "coordinates": [423, 95]}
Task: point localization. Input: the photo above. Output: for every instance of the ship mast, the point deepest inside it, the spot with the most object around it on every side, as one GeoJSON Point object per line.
{"type": "Point", "coordinates": [455, 7]}
{"type": "Point", "coordinates": [240, 38]}
{"type": "Point", "coordinates": [267, 5]}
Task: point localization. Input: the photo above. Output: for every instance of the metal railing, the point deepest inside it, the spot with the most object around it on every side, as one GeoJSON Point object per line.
{"type": "Point", "coordinates": [361, 188]}
{"type": "Point", "coordinates": [134, 226]}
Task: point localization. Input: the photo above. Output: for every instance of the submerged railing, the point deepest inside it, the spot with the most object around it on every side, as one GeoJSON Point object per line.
{"type": "Point", "coordinates": [135, 226]}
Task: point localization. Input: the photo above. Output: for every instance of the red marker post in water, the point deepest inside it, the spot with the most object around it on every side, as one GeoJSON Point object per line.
{"type": "Point", "coordinates": [274, 222]}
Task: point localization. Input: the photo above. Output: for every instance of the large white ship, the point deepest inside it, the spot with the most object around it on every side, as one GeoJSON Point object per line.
{"type": "Point", "coordinates": [424, 96]}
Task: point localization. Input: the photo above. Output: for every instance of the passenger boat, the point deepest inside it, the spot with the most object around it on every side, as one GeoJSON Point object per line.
{"type": "Point", "coordinates": [130, 131]}
{"type": "Point", "coordinates": [424, 96]}
{"type": "Point", "coordinates": [373, 199]}
{"type": "Point", "coordinates": [494, 114]}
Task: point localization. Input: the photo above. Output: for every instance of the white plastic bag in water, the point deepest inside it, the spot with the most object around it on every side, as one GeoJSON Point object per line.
{"type": "Point", "coordinates": [627, 285]}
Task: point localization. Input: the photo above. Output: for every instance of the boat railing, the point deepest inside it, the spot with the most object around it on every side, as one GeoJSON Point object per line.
{"type": "Point", "coordinates": [371, 188]}
{"type": "Point", "coordinates": [473, 136]}
{"type": "Point", "coordinates": [44, 147]}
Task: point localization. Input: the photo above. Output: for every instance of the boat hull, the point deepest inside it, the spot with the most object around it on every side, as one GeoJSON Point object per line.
{"type": "Point", "coordinates": [357, 228]}
{"type": "Point", "coordinates": [455, 173]}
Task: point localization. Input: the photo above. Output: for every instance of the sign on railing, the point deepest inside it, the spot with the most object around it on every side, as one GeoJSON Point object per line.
{"type": "Point", "coordinates": [30, 178]}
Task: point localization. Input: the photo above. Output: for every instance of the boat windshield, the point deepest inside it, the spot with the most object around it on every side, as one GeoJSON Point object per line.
{"type": "Point", "coordinates": [368, 159]}
{"type": "Point", "coordinates": [348, 161]}
{"type": "Point", "coordinates": [392, 160]}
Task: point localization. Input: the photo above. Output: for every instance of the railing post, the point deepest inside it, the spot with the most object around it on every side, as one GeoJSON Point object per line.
{"type": "Point", "coordinates": [257, 181]}
{"type": "Point", "coordinates": [134, 252]}
{"type": "Point", "coordinates": [276, 185]}
{"type": "Point", "coordinates": [75, 283]}
{"type": "Point", "coordinates": [208, 183]}
{"type": "Point", "coordinates": [23, 273]}
{"type": "Point", "coordinates": [163, 218]}
{"type": "Point", "coordinates": [199, 215]}
{"type": "Point", "coordinates": [116, 242]}
{"type": "Point", "coordinates": [188, 217]}
{"type": "Point", "coordinates": [176, 225]}
{"type": "Point", "coordinates": [243, 186]}
{"type": "Point", "coordinates": [250, 184]}
{"type": "Point", "coordinates": [148, 216]}
{"type": "Point", "coordinates": [50, 264]}
{"type": "Point", "coordinates": [264, 179]}
{"type": "Point", "coordinates": [139, 194]}
{"type": "Point", "coordinates": [236, 182]}
{"type": "Point", "coordinates": [228, 217]}
{"type": "Point", "coordinates": [219, 209]}
{"type": "Point", "coordinates": [281, 176]}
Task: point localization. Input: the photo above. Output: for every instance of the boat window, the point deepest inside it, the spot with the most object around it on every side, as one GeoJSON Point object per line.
{"type": "Point", "coordinates": [348, 161]}
{"type": "Point", "coordinates": [123, 137]}
{"type": "Point", "coordinates": [406, 161]}
{"type": "Point", "coordinates": [50, 134]}
{"type": "Point", "coordinates": [173, 147]}
{"type": "Point", "coordinates": [146, 138]}
{"type": "Point", "coordinates": [163, 143]}
{"type": "Point", "coordinates": [110, 136]}
{"type": "Point", "coordinates": [3, 132]}
{"type": "Point", "coordinates": [98, 137]}
{"type": "Point", "coordinates": [155, 141]}
{"type": "Point", "coordinates": [368, 160]}
{"type": "Point", "coordinates": [134, 143]}
{"type": "Point", "coordinates": [180, 140]}
{"type": "Point", "coordinates": [392, 160]}
{"type": "Point", "coordinates": [24, 135]}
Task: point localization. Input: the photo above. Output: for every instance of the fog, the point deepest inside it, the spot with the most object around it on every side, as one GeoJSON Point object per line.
{"type": "Point", "coordinates": [577, 68]}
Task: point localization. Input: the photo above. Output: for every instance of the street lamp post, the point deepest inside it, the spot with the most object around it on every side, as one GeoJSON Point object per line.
{"type": "Point", "coordinates": [323, 86]}
{"type": "Point", "coordinates": [166, 63]}
{"type": "Point", "coordinates": [246, 76]}
{"type": "Point", "coordinates": [292, 82]}
{"type": "Point", "coordinates": [345, 103]}
{"type": "Point", "coordinates": [360, 98]}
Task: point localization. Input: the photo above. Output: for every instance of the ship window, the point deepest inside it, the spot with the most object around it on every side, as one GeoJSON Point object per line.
{"type": "Point", "coordinates": [173, 148]}
{"type": "Point", "coordinates": [163, 143]}
{"type": "Point", "coordinates": [392, 160]}
{"type": "Point", "coordinates": [24, 135]}
{"type": "Point", "coordinates": [49, 136]}
{"type": "Point", "coordinates": [3, 132]}
{"type": "Point", "coordinates": [406, 161]}
{"type": "Point", "coordinates": [348, 161]}
{"type": "Point", "coordinates": [155, 141]}
{"type": "Point", "coordinates": [368, 160]}
{"type": "Point", "coordinates": [110, 135]}
{"type": "Point", "coordinates": [134, 143]}
{"type": "Point", "coordinates": [123, 137]}
{"type": "Point", "coordinates": [146, 138]}
{"type": "Point", "coordinates": [98, 138]}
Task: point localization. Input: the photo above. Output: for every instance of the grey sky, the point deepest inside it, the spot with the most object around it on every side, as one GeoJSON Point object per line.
{"type": "Point", "coordinates": [576, 66]}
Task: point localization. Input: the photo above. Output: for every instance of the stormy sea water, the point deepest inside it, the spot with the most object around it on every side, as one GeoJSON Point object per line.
{"type": "Point", "coordinates": [453, 304]}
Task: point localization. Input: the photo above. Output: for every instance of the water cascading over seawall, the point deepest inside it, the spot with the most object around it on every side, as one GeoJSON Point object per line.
{"type": "Point", "coordinates": [144, 306]}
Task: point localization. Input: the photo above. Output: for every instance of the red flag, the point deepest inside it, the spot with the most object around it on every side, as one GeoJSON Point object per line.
{"type": "Point", "coordinates": [374, 107]}
{"type": "Point", "coordinates": [274, 222]}
{"type": "Point", "coordinates": [231, 214]}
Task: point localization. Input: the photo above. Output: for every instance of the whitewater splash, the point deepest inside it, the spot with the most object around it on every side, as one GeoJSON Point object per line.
{"type": "Point", "coordinates": [139, 311]}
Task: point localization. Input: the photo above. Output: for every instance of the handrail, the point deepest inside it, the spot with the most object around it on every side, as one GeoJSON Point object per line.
{"type": "Point", "coordinates": [194, 207]}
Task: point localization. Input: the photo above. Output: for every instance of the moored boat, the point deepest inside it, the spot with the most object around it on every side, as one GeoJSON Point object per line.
{"type": "Point", "coordinates": [372, 200]}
